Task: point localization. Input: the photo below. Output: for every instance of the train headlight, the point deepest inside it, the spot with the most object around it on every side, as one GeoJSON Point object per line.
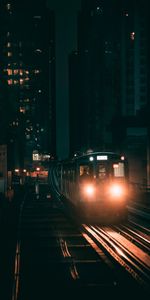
{"type": "Point", "coordinates": [89, 190]}
{"type": "Point", "coordinates": [116, 190]}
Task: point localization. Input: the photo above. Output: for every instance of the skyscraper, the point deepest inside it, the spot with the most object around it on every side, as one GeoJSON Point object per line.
{"type": "Point", "coordinates": [134, 49]}
{"type": "Point", "coordinates": [98, 56]}
{"type": "Point", "coordinates": [111, 80]}
{"type": "Point", "coordinates": [27, 48]}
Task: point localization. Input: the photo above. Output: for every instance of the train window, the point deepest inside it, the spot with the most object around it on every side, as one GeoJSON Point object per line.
{"type": "Point", "coordinates": [101, 172]}
{"type": "Point", "coordinates": [118, 169]}
{"type": "Point", "coordinates": [84, 168]}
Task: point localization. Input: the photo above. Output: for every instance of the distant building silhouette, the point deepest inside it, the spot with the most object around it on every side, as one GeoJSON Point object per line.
{"type": "Point", "coordinates": [27, 58]}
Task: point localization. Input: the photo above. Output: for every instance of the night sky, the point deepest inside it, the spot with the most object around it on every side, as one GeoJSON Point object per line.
{"type": "Point", "coordinates": [66, 37]}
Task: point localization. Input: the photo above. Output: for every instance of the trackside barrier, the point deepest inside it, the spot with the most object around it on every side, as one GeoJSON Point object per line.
{"type": "Point", "coordinates": [139, 191]}
{"type": "Point", "coordinates": [140, 187]}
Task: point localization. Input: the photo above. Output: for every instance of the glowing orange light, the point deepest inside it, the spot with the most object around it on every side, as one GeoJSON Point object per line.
{"type": "Point", "coordinates": [89, 190]}
{"type": "Point", "coordinates": [115, 166]}
{"type": "Point", "coordinates": [116, 190]}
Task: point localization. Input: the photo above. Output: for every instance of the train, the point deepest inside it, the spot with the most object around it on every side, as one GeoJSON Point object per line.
{"type": "Point", "coordinates": [95, 185]}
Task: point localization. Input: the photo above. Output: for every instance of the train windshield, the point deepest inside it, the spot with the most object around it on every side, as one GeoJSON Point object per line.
{"type": "Point", "coordinates": [110, 170]}
{"type": "Point", "coordinates": [119, 169]}
{"type": "Point", "coordinates": [86, 169]}
{"type": "Point", "coordinates": [101, 171]}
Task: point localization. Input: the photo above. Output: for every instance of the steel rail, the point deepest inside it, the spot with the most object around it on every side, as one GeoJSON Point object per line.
{"type": "Point", "coordinates": [123, 256]}
{"type": "Point", "coordinates": [134, 236]}
{"type": "Point", "coordinates": [15, 288]}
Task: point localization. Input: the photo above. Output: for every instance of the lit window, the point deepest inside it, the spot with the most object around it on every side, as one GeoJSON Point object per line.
{"type": "Point", "coordinates": [38, 51]}
{"type": "Point", "coordinates": [15, 123]}
{"type": "Point", "coordinates": [10, 81]}
{"type": "Point", "coordinates": [99, 10]}
{"type": "Point", "coordinates": [21, 81]}
{"type": "Point", "coordinates": [22, 110]}
{"type": "Point", "coordinates": [132, 36]}
{"type": "Point", "coordinates": [125, 13]}
{"type": "Point", "coordinates": [118, 170]}
{"type": "Point", "coordinates": [35, 156]}
{"type": "Point", "coordinates": [8, 5]}
{"type": "Point", "coordinates": [36, 71]}
{"type": "Point", "coordinates": [15, 81]}
{"type": "Point", "coordinates": [8, 44]}
{"type": "Point", "coordinates": [9, 71]}
{"type": "Point", "coordinates": [16, 72]}
{"type": "Point", "coordinates": [9, 54]}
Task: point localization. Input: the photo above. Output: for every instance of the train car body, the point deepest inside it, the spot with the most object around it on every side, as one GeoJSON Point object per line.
{"type": "Point", "coordinates": [96, 185]}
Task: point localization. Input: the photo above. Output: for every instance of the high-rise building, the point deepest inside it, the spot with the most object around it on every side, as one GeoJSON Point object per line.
{"type": "Point", "coordinates": [111, 80]}
{"type": "Point", "coordinates": [99, 72]}
{"type": "Point", "coordinates": [135, 87]}
{"type": "Point", "coordinates": [27, 57]}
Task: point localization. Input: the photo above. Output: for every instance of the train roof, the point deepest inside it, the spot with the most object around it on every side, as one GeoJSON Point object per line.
{"type": "Point", "coordinates": [102, 155]}
{"type": "Point", "coordinates": [99, 155]}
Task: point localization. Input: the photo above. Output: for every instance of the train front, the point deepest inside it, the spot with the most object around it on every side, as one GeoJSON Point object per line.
{"type": "Point", "coordinates": [103, 186]}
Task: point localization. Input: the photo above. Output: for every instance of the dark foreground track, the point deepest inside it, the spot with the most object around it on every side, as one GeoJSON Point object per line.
{"type": "Point", "coordinates": [54, 260]}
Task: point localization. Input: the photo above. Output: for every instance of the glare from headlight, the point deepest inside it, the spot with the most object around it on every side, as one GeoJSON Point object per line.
{"type": "Point", "coordinates": [116, 190]}
{"type": "Point", "coordinates": [89, 190]}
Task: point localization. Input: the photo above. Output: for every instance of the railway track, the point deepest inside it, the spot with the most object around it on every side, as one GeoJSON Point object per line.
{"type": "Point", "coordinates": [52, 255]}
{"type": "Point", "coordinates": [119, 246]}
{"type": "Point", "coordinates": [136, 236]}
{"type": "Point", "coordinates": [55, 253]}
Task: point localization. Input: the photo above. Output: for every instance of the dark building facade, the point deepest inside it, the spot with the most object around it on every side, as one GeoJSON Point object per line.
{"type": "Point", "coordinates": [27, 56]}
{"type": "Point", "coordinates": [112, 81]}
{"type": "Point", "coordinates": [135, 88]}
{"type": "Point", "coordinates": [74, 103]}
{"type": "Point", "coordinates": [98, 56]}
